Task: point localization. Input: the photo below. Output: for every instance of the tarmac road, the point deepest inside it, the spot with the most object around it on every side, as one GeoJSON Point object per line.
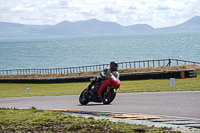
{"type": "Point", "coordinates": [179, 104]}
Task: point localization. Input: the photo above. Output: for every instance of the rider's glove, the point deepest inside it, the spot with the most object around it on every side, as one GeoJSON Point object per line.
{"type": "Point", "coordinates": [105, 74]}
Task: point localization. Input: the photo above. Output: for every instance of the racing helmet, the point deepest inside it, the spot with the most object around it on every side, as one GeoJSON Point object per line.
{"type": "Point", "coordinates": [113, 66]}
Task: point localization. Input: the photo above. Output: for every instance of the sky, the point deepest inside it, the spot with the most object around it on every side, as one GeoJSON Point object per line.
{"type": "Point", "coordinates": [156, 13]}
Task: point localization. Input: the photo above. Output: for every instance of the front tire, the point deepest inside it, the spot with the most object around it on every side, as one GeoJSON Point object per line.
{"type": "Point", "coordinates": [107, 98]}
{"type": "Point", "coordinates": [83, 99]}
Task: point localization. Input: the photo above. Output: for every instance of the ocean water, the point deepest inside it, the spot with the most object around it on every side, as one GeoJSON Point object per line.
{"type": "Point", "coordinates": [83, 51]}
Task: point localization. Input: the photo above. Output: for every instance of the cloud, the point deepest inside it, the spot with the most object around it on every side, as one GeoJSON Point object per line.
{"type": "Point", "coordinates": [162, 7]}
{"type": "Point", "coordinates": [157, 13]}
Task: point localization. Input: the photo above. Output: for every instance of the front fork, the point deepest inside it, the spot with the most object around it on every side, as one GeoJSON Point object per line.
{"type": "Point", "coordinates": [111, 87]}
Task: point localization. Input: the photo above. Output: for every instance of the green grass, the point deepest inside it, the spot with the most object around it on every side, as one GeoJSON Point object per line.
{"type": "Point", "coordinates": [19, 90]}
{"type": "Point", "coordinates": [152, 85]}
{"type": "Point", "coordinates": [12, 120]}
{"type": "Point", "coordinates": [160, 85]}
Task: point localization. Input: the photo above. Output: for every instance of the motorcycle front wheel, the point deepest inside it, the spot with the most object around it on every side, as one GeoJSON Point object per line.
{"type": "Point", "coordinates": [107, 98]}
{"type": "Point", "coordinates": [83, 99]}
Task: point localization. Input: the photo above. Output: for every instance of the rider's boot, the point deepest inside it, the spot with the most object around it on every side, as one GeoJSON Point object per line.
{"type": "Point", "coordinates": [89, 88]}
{"type": "Point", "coordinates": [91, 84]}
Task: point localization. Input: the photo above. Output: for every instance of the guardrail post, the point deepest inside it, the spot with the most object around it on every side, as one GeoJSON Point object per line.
{"type": "Point", "coordinates": [134, 65]}
{"type": "Point", "coordinates": [153, 64]}
{"type": "Point", "coordinates": [139, 64]}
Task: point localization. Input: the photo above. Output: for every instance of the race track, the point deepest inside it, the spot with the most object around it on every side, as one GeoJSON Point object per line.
{"type": "Point", "coordinates": [180, 104]}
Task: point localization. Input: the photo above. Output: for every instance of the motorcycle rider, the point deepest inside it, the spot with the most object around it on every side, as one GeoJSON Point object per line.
{"type": "Point", "coordinates": [105, 74]}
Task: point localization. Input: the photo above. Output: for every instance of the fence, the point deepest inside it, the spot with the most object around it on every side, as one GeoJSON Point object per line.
{"type": "Point", "coordinates": [122, 65]}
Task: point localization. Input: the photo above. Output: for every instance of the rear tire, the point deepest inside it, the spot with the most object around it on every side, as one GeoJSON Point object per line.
{"type": "Point", "coordinates": [83, 99]}
{"type": "Point", "coordinates": [107, 98]}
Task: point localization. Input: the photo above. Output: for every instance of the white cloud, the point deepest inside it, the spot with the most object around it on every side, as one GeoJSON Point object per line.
{"type": "Point", "coordinates": [157, 13]}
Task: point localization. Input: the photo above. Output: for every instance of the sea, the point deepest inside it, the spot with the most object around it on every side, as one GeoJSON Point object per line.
{"type": "Point", "coordinates": [84, 51]}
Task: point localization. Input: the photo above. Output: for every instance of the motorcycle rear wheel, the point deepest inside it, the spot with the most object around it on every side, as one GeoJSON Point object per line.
{"type": "Point", "coordinates": [107, 98]}
{"type": "Point", "coordinates": [83, 99]}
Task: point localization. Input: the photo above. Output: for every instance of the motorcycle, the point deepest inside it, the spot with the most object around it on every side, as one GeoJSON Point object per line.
{"type": "Point", "coordinates": [103, 91]}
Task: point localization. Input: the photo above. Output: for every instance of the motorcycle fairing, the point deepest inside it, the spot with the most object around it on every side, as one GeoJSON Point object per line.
{"type": "Point", "coordinates": [111, 81]}
{"type": "Point", "coordinates": [104, 84]}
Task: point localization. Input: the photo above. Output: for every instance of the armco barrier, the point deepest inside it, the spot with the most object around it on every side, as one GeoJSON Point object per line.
{"type": "Point", "coordinates": [50, 80]}
{"type": "Point", "coordinates": [132, 76]}
{"type": "Point", "coordinates": [159, 75]}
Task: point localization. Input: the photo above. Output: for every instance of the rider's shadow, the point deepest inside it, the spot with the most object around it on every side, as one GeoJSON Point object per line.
{"type": "Point", "coordinates": [94, 104]}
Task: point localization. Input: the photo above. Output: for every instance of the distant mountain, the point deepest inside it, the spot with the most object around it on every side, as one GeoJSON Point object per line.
{"type": "Point", "coordinates": [13, 30]}
{"type": "Point", "coordinates": [79, 28]}
{"type": "Point", "coordinates": [192, 25]}
{"type": "Point", "coordinates": [91, 27]}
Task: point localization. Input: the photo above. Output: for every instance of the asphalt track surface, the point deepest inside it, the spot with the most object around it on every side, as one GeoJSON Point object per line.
{"type": "Point", "coordinates": [180, 104]}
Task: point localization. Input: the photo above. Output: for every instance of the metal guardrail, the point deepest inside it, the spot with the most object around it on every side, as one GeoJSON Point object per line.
{"type": "Point", "coordinates": [122, 65]}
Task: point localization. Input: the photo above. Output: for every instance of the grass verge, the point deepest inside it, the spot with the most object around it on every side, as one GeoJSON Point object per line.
{"type": "Point", "coordinates": [152, 85]}
{"type": "Point", "coordinates": [32, 120]}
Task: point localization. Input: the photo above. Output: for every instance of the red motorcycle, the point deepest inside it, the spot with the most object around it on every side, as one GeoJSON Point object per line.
{"type": "Point", "coordinates": [103, 91]}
